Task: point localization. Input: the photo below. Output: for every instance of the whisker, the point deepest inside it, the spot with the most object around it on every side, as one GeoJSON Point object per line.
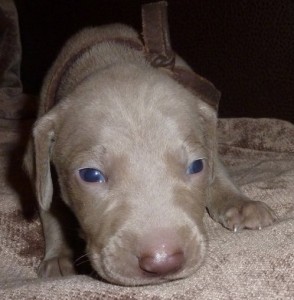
{"type": "Point", "coordinates": [82, 256]}
{"type": "Point", "coordinates": [82, 262]}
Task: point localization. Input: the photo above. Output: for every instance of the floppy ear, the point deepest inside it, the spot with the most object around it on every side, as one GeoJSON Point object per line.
{"type": "Point", "coordinates": [37, 160]}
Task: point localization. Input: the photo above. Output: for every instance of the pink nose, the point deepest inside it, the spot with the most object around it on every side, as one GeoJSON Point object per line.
{"type": "Point", "coordinates": [162, 262]}
{"type": "Point", "coordinates": [160, 252]}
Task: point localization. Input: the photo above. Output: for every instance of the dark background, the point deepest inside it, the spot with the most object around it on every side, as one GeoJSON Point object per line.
{"type": "Point", "coordinates": [245, 47]}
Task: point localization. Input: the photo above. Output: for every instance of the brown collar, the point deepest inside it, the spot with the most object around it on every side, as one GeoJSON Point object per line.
{"type": "Point", "coordinates": [161, 55]}
{"type": "Point", "coordinates": [158, 51]}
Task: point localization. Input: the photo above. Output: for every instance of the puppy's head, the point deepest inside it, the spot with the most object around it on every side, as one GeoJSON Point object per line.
{"type": "Point", "coordinates": [133, 153]}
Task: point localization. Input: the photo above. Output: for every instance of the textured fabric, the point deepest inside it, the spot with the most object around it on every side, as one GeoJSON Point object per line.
{"type": "Point", "coordinates": [245, 265]}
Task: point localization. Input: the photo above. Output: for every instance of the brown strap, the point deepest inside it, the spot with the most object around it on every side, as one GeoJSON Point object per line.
{"type": "Point", "coordinates": [160, 54]}
{"type": "Point", "coordinates": [200, 86]}
{"type": "Point", "coordinates": [156, 35]}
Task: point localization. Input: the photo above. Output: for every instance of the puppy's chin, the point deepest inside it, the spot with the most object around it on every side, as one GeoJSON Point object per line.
{"type": "Point", "coordinates": [121, 264]}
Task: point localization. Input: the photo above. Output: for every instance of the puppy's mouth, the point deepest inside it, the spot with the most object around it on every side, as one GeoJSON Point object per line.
{"type": "Point", "coordinates": [149, 268]}
{"type": "Point", "coordinates": [136, 276]}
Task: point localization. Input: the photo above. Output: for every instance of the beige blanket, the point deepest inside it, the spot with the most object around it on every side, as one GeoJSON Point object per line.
{"type": "Point", "coordinates": [245, 265]}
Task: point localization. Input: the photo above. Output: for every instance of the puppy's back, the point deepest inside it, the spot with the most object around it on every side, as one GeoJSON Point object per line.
{"type": "Point", "coordinates": [85, 53]}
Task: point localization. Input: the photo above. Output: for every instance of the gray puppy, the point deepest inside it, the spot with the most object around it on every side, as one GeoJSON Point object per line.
{"type": "Point", "coordinates": [136, 158]}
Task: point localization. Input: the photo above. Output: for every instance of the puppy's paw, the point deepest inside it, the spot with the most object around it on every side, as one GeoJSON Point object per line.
{"type": "Point", "coordinates": [56, 266]}
{"type": "Point", "coordinates": [249, 215]}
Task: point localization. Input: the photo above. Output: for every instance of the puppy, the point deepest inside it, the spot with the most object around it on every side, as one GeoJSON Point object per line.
{"type": "Point", "coordinates": [135, 153]}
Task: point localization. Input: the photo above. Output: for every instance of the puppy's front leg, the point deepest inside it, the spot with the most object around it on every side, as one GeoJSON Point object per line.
{"type": "Point", "coordinates": [58, 260]}
{"type": "Point", "coordinates": [228, 206]}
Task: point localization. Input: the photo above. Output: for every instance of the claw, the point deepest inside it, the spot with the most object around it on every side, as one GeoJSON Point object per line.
{"type": "Point", "coordinates": [251, 215]}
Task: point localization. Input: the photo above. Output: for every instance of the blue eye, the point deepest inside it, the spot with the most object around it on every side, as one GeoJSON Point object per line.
{"type": "Point", "coordinates": [92, 175]}
{"type": "Point", "coordinates": [195, 167]}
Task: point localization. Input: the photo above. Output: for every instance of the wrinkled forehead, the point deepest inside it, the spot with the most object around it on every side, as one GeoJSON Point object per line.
{"type": "Point", "coordinates": [129, 131]}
